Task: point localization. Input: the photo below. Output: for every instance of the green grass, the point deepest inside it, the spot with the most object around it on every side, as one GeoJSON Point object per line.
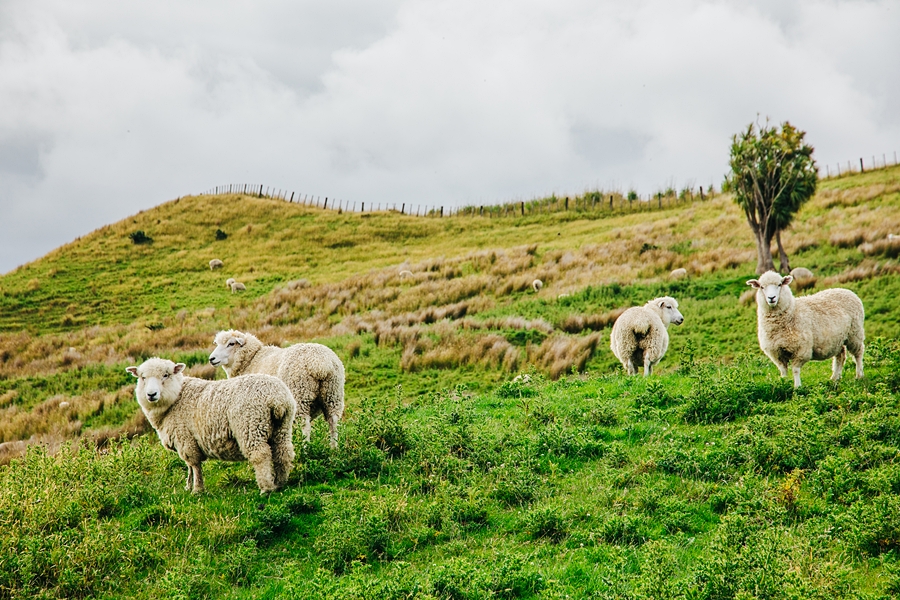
{"type": "Point", "coordinates": [713, 479]}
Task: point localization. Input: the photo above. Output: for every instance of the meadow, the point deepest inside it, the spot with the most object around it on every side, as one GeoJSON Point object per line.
{"type": "Point", "coordinates": [454, 477]}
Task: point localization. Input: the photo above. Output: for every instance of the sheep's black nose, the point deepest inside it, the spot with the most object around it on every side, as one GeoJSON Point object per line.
{"type": "Point", "coordinates": [151, 396]}
{"type": "Point", "coordinates": [212, 361]}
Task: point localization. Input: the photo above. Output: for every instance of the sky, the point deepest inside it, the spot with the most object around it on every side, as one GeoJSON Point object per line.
{"type": "Point", "coordinates": [109, 107]}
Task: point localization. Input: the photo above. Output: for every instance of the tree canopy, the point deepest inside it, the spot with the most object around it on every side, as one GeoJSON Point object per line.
{"type": "Point", "coordinates": [773, 174]}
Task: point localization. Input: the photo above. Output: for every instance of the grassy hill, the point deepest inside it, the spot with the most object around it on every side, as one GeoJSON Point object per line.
{"type": "Point", "coordinates": [713, 480]}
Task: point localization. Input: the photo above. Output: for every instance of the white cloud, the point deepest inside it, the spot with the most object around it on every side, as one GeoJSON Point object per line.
{"type": "Point", "coordinates": [111, 107]}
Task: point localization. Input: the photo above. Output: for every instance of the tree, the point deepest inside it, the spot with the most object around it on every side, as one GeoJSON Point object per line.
{"type": "Point", "coordinates": [773, 174]}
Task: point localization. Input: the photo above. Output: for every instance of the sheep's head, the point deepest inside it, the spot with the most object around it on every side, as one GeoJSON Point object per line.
{"type": "Point", "coordinates": [159, 382]}
{"type": "Point", "coordinates": [770, 287]}
{"type": "Point", "coordinates": [228, 344]}
{"type": "Point", "coordinates": [667, 307]}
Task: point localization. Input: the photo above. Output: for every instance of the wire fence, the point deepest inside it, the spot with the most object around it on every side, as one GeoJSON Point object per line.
{"type": "Point", "coordinates": [592, 202]}
{"type": "Point", "coordinates": [841, 170]}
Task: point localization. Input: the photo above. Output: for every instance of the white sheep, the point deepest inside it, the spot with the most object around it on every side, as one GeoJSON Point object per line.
{"type": "Point", "coordinates": [405, 273]}
{"type": "Point", "coordinates": [679, 273]}
{"type": "Point", "coordinates": [313, 372]}
{"type": "Point", "coordinates": [801, 273]}
{"type": "Point", "coordinates": [237, 286]}
{"type": "Point", "coordinates": [245, 418]}
{"type": "Point", "coordinates": [228, 282]}
{"type": "Point", "coordinates": [640, 334]}
{"type": "Point", "coordinates": [793, 331]}
{"type": "Point", "coordinates": [215, 264]}
{"type": "Point", "coordinates": [537, 284]}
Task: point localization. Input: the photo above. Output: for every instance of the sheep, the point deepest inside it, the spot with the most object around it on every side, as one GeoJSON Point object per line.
{"type": "Point", "coordinates": [801, 273]}
{"type": "Point", "coordinates": [313, 372]}
{"type": "Point", "coordinates": [537, 284]}
{"type": "Point", "coordinates": [228, 282]}
{"type": "Point", "coordinates": [237, 286]}
{"type": "Point", "coordinates": [244, 418]}
{"type": "Point", "coordinates": [793, 331]}
{"type": "Point", "coordinates": [215, 264]}
{"type": "Point", "coordinates": [680, 273]}
{"type": "Point", "coordinates": [405, 273]}
{"type": "Point", "coordinates": [640, 334]}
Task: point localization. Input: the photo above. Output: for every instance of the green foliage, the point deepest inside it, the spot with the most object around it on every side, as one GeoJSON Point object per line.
{"type": "Point", "coordinates": [773, 175]}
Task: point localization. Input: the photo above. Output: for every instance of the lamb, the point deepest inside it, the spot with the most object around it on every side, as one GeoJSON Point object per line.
{"type": "Point", "coordinates": [640, 334]}
{"type": "Point", "coordinates": [245, 418]}
{"type": "Point", "coordinates": [215, 264]}
{"type": "Point", "coordinates": [793, 331]}
{"type": "Point", "coordinates": [313, 372]}
{"type": "Point", "coordinates": [537, 284]}
{"type": "Point", "coordinates": [237, 286]}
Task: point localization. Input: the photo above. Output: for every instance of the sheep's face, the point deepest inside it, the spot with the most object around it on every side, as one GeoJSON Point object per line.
{"type": "Point", "coordinates": [228, 344]}
{"type": "Point", "coordinates": [769, 287]}
{"type": "Point", "coordinates": [668, 310]}
{"type": "Point", "coordinates": [159, 382]}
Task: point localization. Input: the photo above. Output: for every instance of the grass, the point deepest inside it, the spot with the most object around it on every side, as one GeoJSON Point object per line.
{"type": "Point", "coordinates": [457, 477]}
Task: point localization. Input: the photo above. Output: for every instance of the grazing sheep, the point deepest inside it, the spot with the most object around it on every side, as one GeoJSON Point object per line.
{"type": "Point", "coordinates": [313, 372]}
{"type": "Point", "coordinates": [793, 331]}
{"type": "Point", "coordinates": [237, 286]}
{"type": "Point", "coordinates": [245, 418]}
{"type": "Point", "coordinates": [640, 334]}
{"type": "Point", "coordinates": [537, 284]}
{"type": "Point", "coordinates": [405, 273]}
{"type": "Point", "coordinates": [228, 282]}
{"type": "Point", "coordinates": [801, 273]}
{"type": "Point", "coordinates": [215, 264]}
{"type": "Point", "coordinates": [678, 274]}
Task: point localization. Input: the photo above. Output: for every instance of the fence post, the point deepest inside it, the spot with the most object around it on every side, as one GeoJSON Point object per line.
{"type": "Point", "coordinates": [659, 199]}
{"type": "Point", "coordinates": [442, 212]}
{"type": "Point", "coordinates": [326, 202]}
{"type": "Point", "coordinates": [701, 192]}
{"type": "Point", "coordinates": [363, 207]}
{"type": "Point", "coordinates": [861, 169]}
{"type": "Point", "coordinates": [567, 203]}
{"type": "Point", "coordinates": [403, 208]}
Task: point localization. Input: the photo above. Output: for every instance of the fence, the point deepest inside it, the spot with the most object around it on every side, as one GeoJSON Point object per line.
{"type": "Point", "coordinates": [595, 202]}
{"type": "Point", "coordinates": [850, 168]}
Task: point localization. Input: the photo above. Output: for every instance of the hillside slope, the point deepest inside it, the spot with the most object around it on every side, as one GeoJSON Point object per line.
{"type": "Point", "coordinates": [712, 480]}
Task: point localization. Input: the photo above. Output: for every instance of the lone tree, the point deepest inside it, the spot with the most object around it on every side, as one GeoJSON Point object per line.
{"type": "Point", "coordinates": [772, 175]}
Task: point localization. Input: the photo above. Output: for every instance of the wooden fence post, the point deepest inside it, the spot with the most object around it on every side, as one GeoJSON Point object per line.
{"type": "Point", "coordinates": [861, 169]}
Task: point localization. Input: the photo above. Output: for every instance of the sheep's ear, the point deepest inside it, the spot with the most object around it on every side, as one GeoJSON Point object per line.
{"type": "Point", "coordinates": [787, 280]}
{"type": "Point", "coordinates": [132, 370]}
{"type": "Point", "coordinates": [241, 341]}
{"type": "Point", "coordinates": [754, 283]}
{"type": "Point", "coordinates": [662, 303]}
{"type": "Point", "coordinates": [179, 367]}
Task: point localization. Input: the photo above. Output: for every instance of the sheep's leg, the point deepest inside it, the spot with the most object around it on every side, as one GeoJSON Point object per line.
{"type": "Point", "coordinates": [857, 353]}
{"type": "Point", "coordinates": [796, 370]}
{"type": "Point", "coordinates": [333, 430]}
{"type": "Point", "coordinates": [189, 486]}
{"type": "Point", "coordinates": [261, 460]}
{"type": "Point", "coordinates": [306, 428]}
{"type": "Point", "coordinates": [648, 367]}
{"type": "Point", "coordinates": [837, 364]}
{"type": "Point", "coordinates": [196, 473]}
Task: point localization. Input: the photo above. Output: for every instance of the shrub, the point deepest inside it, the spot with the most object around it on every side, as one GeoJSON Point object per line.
{"type": "Point", "coordinates": [139, 237]}
{"type": "Point", "coordinates": [221, 235]}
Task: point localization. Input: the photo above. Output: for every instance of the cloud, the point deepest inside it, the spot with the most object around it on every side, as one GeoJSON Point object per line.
{"type": "Point", "coordinates": [112, 107]}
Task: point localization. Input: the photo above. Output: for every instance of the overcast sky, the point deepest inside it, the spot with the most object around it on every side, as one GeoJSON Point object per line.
{"type": "Point", "coordinates": [108, 107]}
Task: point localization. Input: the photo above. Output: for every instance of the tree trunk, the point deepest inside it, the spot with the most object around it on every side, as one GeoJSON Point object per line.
{"type": "Point", "coordinates": [782, 255]}
{"type": "Point", "coordinates": [764, 261]}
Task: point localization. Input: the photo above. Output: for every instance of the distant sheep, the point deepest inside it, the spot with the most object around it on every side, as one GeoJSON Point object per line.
{"type": "Point", "coordinates": [537, 284]}
{"type": "Point", "coordinates": [237, 286]}
{"type": "Point", "coordinates": [313, 372]}
{"type": "Point", "coordinates": [640, 334]}
{"type": "Point", "coordinates": [405, 273]}
{"type": "Point", "coordinates": [245, 418]}
{"type": "Point", "coordinates": [215, 264]}
{"type": "Point", "coordinates": [228, 282]}
{"type": "Point", "coordinates": [801, 273]}
{"type": "Point", "coordinates": [680, 273]}
{"type": "Point", "coordinates": [793, 331]}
